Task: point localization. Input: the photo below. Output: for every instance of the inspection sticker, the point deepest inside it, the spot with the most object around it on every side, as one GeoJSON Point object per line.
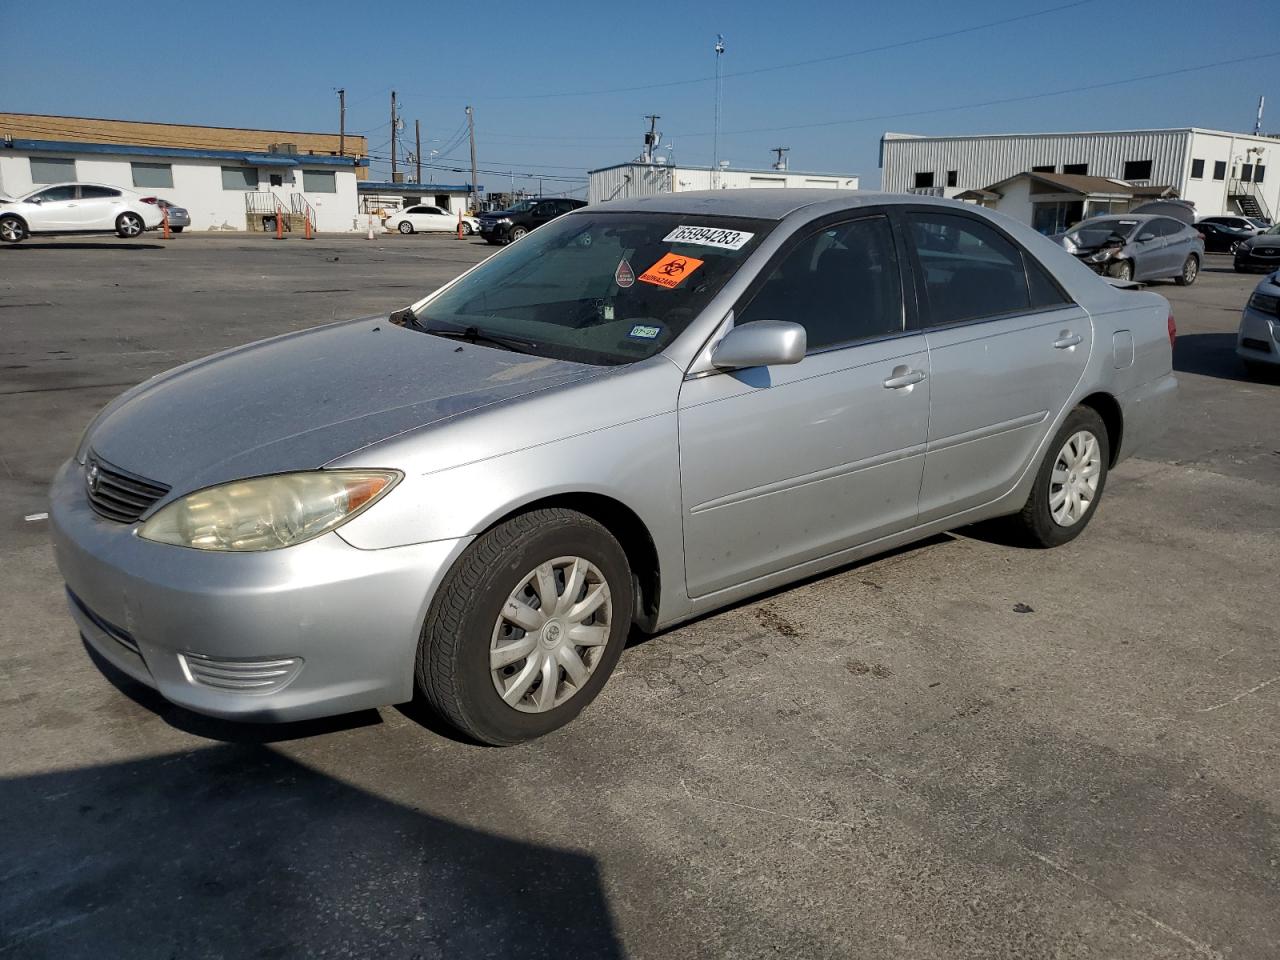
{"type": "Point", "coordinates": [709, 237]}
{"type": "Point", "coordinates": [670, 270]}
{"type": "Point", "coordinates": [624, 276]}
{"type": "Point", "coordinates": [642, 331]}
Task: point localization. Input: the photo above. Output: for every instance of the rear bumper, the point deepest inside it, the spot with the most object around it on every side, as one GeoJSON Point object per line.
{"type": "Point", "coordinates": [1258, 339]}
{"type": "Point", "coordinates": [312, 630]}
{"type": "Point", "coordinates": [1147, 412]}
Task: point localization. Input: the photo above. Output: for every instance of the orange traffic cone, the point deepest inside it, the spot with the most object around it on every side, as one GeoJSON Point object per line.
{"type": "Point", "coordinates": [306, 230]}
{"type": "Point", "coordinates": [279, 223]}
{"type": "Point", "coordinates": [166, 223]}
{"type": "Point", "coordinates": [369, 236]}
{"type": "Point", "coordinates": [460, 225]}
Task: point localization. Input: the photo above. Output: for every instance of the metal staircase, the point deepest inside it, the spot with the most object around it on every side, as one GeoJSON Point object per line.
{"type": "Point", "coordinates": [263, 207]}
{"type": "Point", "coordinates": [1248, 199]}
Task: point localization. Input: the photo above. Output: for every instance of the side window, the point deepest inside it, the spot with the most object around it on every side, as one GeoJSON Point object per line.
{"type": "Point", "coordinates": [97, 193]}
{"type": "Point", "coordinates": [1045, 292]}
{"type": "Point", "coordinates": [842, 284]}
{"type": "Point", "coordinates": [970, 270]}
{"type": "Point", "coordinates": [54, 194]}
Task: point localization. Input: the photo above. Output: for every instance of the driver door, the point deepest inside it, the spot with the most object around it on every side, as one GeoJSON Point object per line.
{"type": "Point", "coordinates": [57, 209]}
{"type": "Point", "coordinates": [787, 464]}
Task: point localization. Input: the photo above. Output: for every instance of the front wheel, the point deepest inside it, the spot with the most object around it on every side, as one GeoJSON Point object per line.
{"type": "Point", "coordinates": [1235, 246]}
{"type": "Point", "coordinates": [1190, 270]}
{"type": "Point", "coordinates": [405, 227]}
{"type": "Point", "coordinates": [526, 628]}
{"type": "Point", "coordinates": [516, 233]}
{"type": "Point", "coordinates": [1069, 483]}
{"type": "Point", "coordinates": [12, 229]}
{"type": "Point", "coordinates": [129, 225]}
{"type": "Point", "coordinates": [1122, 270]}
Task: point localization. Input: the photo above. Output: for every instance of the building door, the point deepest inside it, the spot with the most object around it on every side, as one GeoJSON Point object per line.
{"type": "Point", "coordinates": [844, 429]}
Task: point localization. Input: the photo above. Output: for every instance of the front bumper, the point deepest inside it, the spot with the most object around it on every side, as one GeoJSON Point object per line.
{"type": "Point", "coordinates": [319, 628]}
{"type": "Point", "coordinates": [1253, 259]}
{"type": "Point", "coordinates": [1258, 339]}
{"type": "Point", "coordinates": [494, 231]}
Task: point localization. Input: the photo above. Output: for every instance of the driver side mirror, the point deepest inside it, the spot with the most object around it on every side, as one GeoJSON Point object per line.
{"type": "Point", "coordinates": [763, 343]}
{"type": "Point", "coordinates": [1144, 237]}
{"type": "Point", "coordinates": [36, 200]}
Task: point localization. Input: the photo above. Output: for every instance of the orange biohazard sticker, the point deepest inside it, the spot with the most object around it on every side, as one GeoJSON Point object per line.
{"type": "Point", "coordinates": [670, 270]}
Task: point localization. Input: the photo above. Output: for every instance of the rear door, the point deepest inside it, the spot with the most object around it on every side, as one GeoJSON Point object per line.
{"type": "Point", "coordinates": [98, 207]}
{"type": "Point", "coordinates": [787, 464]}
{"type": "Point", "coordinates": [1006, 349]}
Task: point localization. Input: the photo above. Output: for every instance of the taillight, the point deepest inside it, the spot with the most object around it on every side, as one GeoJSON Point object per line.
{"type": "Point", "coordinates": [149, 199]}
{"type": "Point", "coordinates": [1173, 329]}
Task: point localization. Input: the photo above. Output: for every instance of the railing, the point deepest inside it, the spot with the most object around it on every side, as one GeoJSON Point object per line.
{"type": "Point", "coordinates": [928, 191]}
{"type": "Point", "coordinates": [259, 202]}
{"type": "Point", "coordinates": [300, 206]}
{"type": "Point", "coordinates": [1249, 188]}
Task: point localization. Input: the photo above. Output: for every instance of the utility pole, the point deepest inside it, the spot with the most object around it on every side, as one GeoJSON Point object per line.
{"type": "Point", "coordinates": [651, 138]}
{"type": "Point", "coordinates": [393, 136]}
{"type": "Point", "coordinates": [715, 147]}
{"type": "Point", "coordinates": [781, 162]}
{"type": "Point", "coordinates": [471, 133]}
{"type": "Point", "coordinates": [417, 148]}
{"type": "Point", "coordinates": [342, 122]}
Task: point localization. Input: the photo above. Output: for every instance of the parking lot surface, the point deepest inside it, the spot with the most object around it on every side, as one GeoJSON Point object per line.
{"type": "Point", "coordinates": [963, 749]}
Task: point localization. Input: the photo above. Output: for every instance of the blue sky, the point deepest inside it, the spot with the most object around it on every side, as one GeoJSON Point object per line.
{"type": "Point", "coordinates": [200, 63]}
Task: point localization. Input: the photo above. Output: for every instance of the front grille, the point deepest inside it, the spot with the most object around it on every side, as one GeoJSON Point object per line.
{"type": "Point", "coordinates": [1266, 253]}
{"type": "Point", "coordinates": [241, 676]}
{"type": "Point", "coordinates": [1250, 344]}
{"type": "Point", "coordinates": [120, 636]}
{"type": "Point", "coordinates": [118, 495]}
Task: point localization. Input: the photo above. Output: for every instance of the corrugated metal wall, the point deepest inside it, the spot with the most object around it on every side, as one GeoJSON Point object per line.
{"type": "Point", "coordinates": [639, 180]}
{"type": "Point", "coordinates": [982, 161]}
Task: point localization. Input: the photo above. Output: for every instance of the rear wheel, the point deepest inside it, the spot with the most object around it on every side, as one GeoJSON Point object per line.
{"type": "Point", "coordinates": [129, 225]}
{"type": "Point", "coordinates": [526, 628]}
{"type": "Point", "coordinates": [466, 229]}
{"type": "Point", "coordinates": [406, 227]}
{"type": "Point", "coordinates": [175, 229]}
{"type": "Point", "coordinates": [1069, 483]}
{"type": "Point", "coordinates": [1190, 270]}
{"type": "Point", "coordinates": [12, 229]}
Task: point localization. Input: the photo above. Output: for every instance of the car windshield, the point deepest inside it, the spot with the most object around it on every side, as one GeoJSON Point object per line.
{"type": "Point", "coordinates": [1094, 233]}
{"type": "Point", "coordinates": [523, 206]}
{"type": "Point", "coordinates": [600, 288]}
{"type": "Point", "coordinates": [1273, 231]}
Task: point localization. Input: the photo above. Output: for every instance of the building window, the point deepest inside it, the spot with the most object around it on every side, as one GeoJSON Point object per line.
{"type": "Point", "coordinates": [1246, 172]}
{"type": "Point", "coordinates": [924, 180]}
{"type": "Point", "coordinates": [51, 170]}
{"type": "Point", "coordinates": [1079, 169]}
{"type": "Point", "coordinates": [1258, 171]}
{"type": "Point", "coordinates": [319, 181]}
{"type": "Point", "coordinates": [1137, 170]}
{"type": "Point", "coordinates": [152, 174]}
{"type": "Point", "coordinates": [239, 178]}
{"type": "Point", "coordinates": [1197, 169]}
{"type": "Point", "coordinates": [953, 177]}
{"type": "Point", "coordinates": [275, 179]}
{"type": "Point", "coordinates": [1219, 169]}
{"type": "Point", "coordinates": [1044, 168]}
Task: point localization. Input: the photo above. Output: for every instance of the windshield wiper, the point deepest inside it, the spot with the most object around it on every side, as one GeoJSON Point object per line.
{"type": "Point", "coordinates": [476, 335]}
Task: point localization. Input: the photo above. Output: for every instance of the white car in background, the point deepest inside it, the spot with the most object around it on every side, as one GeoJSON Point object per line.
{"type": "Point", "coordinates": [424, 219]}
{"type": "Point", "coordinates": [78, 208]}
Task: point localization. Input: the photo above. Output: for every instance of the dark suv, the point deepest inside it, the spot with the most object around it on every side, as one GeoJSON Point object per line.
{"type": "Point", "coordinates": [503, 226]}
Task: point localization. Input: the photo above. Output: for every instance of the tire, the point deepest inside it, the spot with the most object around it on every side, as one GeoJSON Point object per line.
{"type": "Point", "coordinates": [466, 229]}
{"type": "Point", "coordinates": [516, 233]}
{"type": "Point", "coordinates": [12, 229]}
{"type": "Point", "coordinates": [467, 621]}
{"type": "Point", "coordinates": [1190, 270]}
{"type": "Point", "coordinates": [405, 227]}
{"type": "Point", "coordinates": [175, 229]}
{"type": "Point", "coordinates": [1235, 245]}
{"type": "Point", "coordinates": [129, 226]}
{"type": "Point", "coordinates": [1036, 525]}
{"type": "Point", "coordinates": [1122, 270]}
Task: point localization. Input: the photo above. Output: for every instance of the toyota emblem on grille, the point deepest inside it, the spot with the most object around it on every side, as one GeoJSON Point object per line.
{"type": "Point", "coordinates": [91, 478]}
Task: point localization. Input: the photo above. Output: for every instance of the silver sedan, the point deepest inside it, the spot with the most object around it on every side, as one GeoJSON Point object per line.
{"type": "Point", "coordinates": [639, 413]}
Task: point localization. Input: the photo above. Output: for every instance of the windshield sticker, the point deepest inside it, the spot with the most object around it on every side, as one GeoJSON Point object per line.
{"type": "Point", "coordinates": [642, 331]}
{"type": "Point", "coordinates": [709, 237]}
{"type": "Point", "coordinates": [670, 270]}
{"type": "Point", "coordinates": [624, 276]}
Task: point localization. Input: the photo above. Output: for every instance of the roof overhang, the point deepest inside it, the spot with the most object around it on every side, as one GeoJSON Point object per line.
{"type": "Point", "coordinates": [183, 153]}
{"type": "Point", "coordinates": [387, 186]}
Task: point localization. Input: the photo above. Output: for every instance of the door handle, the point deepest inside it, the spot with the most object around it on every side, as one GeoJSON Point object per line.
{"type": "Point", "coordinates": [904, 377]}
{"type": "Point", "coordinates": [1067, 340]}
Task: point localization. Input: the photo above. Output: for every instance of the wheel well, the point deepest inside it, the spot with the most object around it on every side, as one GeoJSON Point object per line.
{"type": "Point", "coordinates": [14, 216]}
{"type": "Point", "coordinates": [629, 530]}
{"type": "Point", "coordinates": [1108, 408]}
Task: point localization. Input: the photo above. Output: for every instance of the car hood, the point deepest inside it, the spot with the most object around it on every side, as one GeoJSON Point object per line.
{"type": "Point", "coordinates": [1263, 240]}
{"type": "Point", "coordinates": [299, 401]}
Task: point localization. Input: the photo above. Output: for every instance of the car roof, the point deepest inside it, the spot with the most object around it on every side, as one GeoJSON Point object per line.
{"type": "Point", "coordinates": [78, 183]}
{"type": "Point", "coordinates": [762, 204]}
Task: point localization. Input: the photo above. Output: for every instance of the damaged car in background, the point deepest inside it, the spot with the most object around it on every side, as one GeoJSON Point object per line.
{"type": "Point", "coordinates": [1137, 247]}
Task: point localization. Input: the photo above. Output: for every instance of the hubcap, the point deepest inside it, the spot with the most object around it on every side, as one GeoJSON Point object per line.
{"type": "Point", "coordinates": [1189, 271]}
{"type": "Point", "coordinates": [9, 230]}
{"type": "Point", "coordinates": [551, 634]}
{"type": "Point", "coordinates": [1073, 484]}
{"type": "Point", "coordinates": [130, 226]}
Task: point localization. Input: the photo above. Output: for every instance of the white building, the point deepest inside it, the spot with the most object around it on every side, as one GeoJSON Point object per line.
{"type": "Point", "coordinates": [1220, 172]}
{"type": "Point", "coordinates": [384, 198]}
{"type": "Point", "coordinates": [227, 178]}
{"type": "Point", "coordinates": [638, 179]}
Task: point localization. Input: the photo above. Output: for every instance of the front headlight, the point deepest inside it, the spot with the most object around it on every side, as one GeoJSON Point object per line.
{"type": "Point", "coordinates": [505, 221]}
{"type": "Point", "coordinates": [1265, 303]}
{"type": "Point", "coordinates": [266, 513]}
{"type": "Point", "coordinates": [1102, 256]}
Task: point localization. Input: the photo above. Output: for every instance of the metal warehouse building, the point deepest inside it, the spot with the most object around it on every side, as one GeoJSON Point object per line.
{"type": "Point", "coordinates": [228, 178]}
{"type": "Point", "coordinates": [1220, 172]}
{"type": "Point", "coordinates": [639, 179]}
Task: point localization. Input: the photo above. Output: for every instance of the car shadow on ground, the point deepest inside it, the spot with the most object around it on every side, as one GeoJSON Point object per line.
{"type": "Point", "coordinates": [1212, 355]}
{"type": "Point", "coordinates": [82, 245]}
{"type": "Point", "coordinates": [238, 851]}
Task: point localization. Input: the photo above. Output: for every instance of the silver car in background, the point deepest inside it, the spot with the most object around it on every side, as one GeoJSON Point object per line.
{"type": "Point", "coordinates": [1258, 337]}
{"type": "Point", "coordinates": [641, 412]}
{"type": "Point", "coordinates": [1138, 247]}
